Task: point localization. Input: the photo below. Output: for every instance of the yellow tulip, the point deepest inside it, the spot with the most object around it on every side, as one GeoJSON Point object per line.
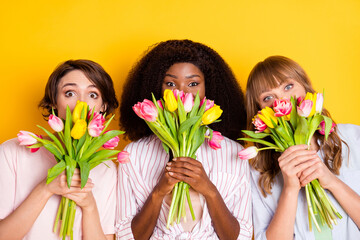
{"type": "Point", "coordinates": [266, 114]}
{"type": "Point", "coordinates": [311, 97]}
{"type": "Point", "coordinates": [76, 114]}
{"type": "Point", "coordinates": [211, 115]}
{"type": "Point", "coordinates": [170, 100]}
{"type": "Point", "coordinates": [79, 129]}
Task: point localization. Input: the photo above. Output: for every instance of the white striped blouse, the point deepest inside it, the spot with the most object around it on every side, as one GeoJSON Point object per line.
{"type": "Point", "coordinates": [137, 179]}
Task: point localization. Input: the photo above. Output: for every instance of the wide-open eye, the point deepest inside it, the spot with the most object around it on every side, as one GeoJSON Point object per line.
{"type": "Point", "coordinates": [69, 93]}
{"type": "Point", "coordinates": [93, 95]}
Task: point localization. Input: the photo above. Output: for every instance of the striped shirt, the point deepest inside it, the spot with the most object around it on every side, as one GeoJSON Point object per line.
{"type": "Point", "coordinates": [137, 179]}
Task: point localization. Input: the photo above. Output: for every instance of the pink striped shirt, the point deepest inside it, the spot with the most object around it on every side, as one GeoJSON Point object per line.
{"type": "Point", "coordinates": [137, 179]}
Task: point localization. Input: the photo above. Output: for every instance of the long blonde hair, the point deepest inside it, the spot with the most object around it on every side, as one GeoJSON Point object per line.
{"type": "Point", "coordinates": [269, 74]}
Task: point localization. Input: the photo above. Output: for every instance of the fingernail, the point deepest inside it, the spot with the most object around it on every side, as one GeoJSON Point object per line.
{"type": "Point", "coordinates": [171, 173]}
{"type": "Point", "coordinates": [174, 159]}
{"type": "Point", "coordinates": [168, 168]}
{"type": "Point", "coordinates": [169, 163]}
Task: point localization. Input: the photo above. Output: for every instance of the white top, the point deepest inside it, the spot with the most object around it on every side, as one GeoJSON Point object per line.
{"type": "Point", "coordinates": [21, 171]}
{"type": "Point", "coordinates": [349, 174]}
{"type": "Point", "coordinates": [137, 179]}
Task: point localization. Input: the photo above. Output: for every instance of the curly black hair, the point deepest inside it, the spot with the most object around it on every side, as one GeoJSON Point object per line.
{"type": "Point", "coordinates": [147, 76]}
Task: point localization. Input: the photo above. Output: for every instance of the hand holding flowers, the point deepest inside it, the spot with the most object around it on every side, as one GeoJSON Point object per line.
{"type": "Point", "coordinates": [180, 121]}
{"type": "Point", "coordinates": [76, 149]}
{"type": "Point", "coordinates": [290, 123]}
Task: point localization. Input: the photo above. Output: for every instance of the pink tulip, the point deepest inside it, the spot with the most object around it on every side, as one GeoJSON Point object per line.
{"type": "Point", "coordinates": [260, 126]}
{"type": "Point", "coordinates": [112, 143]}
{"type": "Point", "coordinates": [305, 108]}
{"type": "Point", "coordinates": [282, 107]}
{"type": "Point", "coordinates": [209, 103]}
{"type": "Point", "coordinates": [146, 110]}
{"type": "Point", "coordinates": [56, 123]}
{"type": "Point", "coordinates": [215, 142]}
{"type": "Point", "coordinates": [96, 125]}
{"type": "Point", "coordinates": [25, 138]}
{"type": "Point", "coordinates": [319, 102]}
{"type": "Point", "coordinates": [160, 104]}
{"type": "Point", "coordinates": [123, 157]}
{"type": "Point", "coordinates": [322, 127]}
{"type": "Point", "coordinates": [188, 102]}
{"type": "Point", "coordinates": [248, 153]}
{"type": "Point", "coordinates": [177, 93]}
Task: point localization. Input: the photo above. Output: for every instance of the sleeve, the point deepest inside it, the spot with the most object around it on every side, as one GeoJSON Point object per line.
{"type": "Point", "coordinates": [242, 207]}
{"type": "Point", "coordinates": [126, 203]}
{"type": "Point", "coordinates": [261, 213]}
{"type": "Point", "coordinates": [7, 179]}
{"type": "Point", "coordinates": [108, 198]}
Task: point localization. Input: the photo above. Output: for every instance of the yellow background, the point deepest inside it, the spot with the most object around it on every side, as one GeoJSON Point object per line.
{"type": "Point", "coordinates": [323, 36]}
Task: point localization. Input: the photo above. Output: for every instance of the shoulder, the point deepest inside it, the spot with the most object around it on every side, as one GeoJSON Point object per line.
{"type": "Point", "coordinates": [11, 145]}
{"type": "Point", "coordinates": [349, 132]}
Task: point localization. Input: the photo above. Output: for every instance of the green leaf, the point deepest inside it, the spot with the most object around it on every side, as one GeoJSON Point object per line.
{"type": "Point", "coordinates": [55, 171]}
{"type": "Point", "coordinates": [36, 145]}
{"type": "Point", "coordinates": [313, 126]}
{"type": "Point", "coordinates": [107, 124]}
{"type": "Point", "coordinates": [166, 148]}
{"type": "Point", "coordinates": [170, 122]}
{"type": "Point", "coordinates": [81, 142]}
{"type": "Point", "coordinates": [263, 142]}
{"type": "Point", "coordinates": [255, 135]}
{"type": "Point", "coordinates": [67, 131]}
{"type": "Point", "coordinates": [98, 142]}
{"type": "Point", "coordinates": [280, 129]}
{"type": "Point", "coordinates": [70, 168]}
{"type": "Point", "coordinates": [293, 115]}
{"type": "Point", "coordinates": [159, 109]}
{"type": "Point", "coordinates": [328, 125]}
{"type": "Point", "coordinates": [54, 138]}
{"type": "Point", "coordinates": [301, 131]}
{"type": "Point", "coordinates": [105, 153]}
{"type": "Point", "coordinates": [195, 108]}
{"type": "Point", "coordinates": [181, 110]}
{"type": "Point", "coordinates": [199, 138]}
{"type": "Point", "coordinates": [84, 172]}
{"type": "Point", "coordinates": [187, 124]}
{"type": "Point", "coordinates": [53, 149]}
{"type": "Point", "coordinates": [279, 141]}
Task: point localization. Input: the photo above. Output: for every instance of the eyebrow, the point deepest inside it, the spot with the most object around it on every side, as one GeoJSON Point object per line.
{"type": "Point", "coordinates": [74, 84]}
{"type": "Point", "coordinates": [173, 76]}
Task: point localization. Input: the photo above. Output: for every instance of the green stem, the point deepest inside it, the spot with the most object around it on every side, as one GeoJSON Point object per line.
{"type": "Point", "coordinates": [175, 190]}
{"type": "Point", "coordinates": [310, 207]}
{"type": "Point", "coordinates": [58, 215]}
{"type": "Point", "coordinates": [64, 216]}
{"type": "Point", "coordinates": [189, 202]}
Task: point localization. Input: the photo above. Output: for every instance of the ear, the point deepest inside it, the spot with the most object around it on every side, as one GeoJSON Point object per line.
{"type": "Point", "coordinates": [103, 108]}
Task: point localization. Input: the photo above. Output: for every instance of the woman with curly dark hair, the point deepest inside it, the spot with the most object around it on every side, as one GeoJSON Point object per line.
{"type": "Point", "coordinates": [219, 180]}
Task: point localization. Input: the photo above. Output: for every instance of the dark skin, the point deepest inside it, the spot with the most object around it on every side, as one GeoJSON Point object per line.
{"type": "Point", "coordinates": [192, 172]}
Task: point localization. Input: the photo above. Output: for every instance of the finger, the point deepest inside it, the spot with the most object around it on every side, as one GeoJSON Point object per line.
{"type": "Point", "coordinates": [294, 162]}
{"type": "Point", "coordinates": [180, 177]}
{"type": "Point", "coordinates": [189, 160]}
{"type": "Point", "coordinates": [304, 166]}
{"type": "Point", "coordinates": [297, 157]}
{"type": "Point", "coordinates": [288, 152]}
{"type": "Point", "coordinates": [184, 164]}
{"type": "Point", "coordinates": [307, 175]}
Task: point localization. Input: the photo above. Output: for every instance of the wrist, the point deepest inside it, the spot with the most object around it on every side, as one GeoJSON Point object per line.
{"type": "Point", "coordinates": [336, 183]}
{"type": "Point", "coordinates": [211, 193]}
{"type": "Point", "coordinates": [43, 188]}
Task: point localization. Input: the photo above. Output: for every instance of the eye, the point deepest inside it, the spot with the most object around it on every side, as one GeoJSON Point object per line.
{"type": "Point", "coordinates": [69, 94]}
{"type": "Point", "coordinates": [93, 95]}
{"type": "Point", "coordinates": [170, 84]}
{"type": "Point", "coordinates": [193, 84]}
{"type": "Point", "coordinates": [289, 86]}
{"type": "Point", "coordinates": [267, 98]}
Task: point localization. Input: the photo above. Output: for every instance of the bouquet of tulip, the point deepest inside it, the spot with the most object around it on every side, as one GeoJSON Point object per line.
{"type": "Point", "coordinates": [290, 123]}
{"type": "Point", "coordinates": [182, 127]}
{"type": "Point", "coordinates": [76, 145]}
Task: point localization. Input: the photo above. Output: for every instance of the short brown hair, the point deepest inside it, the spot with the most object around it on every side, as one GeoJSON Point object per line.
{"type": "Point", "coordinates": [93, 71]}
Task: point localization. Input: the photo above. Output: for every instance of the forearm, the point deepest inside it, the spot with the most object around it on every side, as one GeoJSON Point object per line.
{"type": "Point", "coordinates": [282, 223]}
{"type": "Point", "coordinates": [91, 224]}
{"type": "Point", "coordinates": [19, 222]}
{"type": "Point", "coordinates": [225, 224]}
{"type": "Point", "coordinates": [348, 199]}
{"type": "Point", "coordinates": [144, 222]}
